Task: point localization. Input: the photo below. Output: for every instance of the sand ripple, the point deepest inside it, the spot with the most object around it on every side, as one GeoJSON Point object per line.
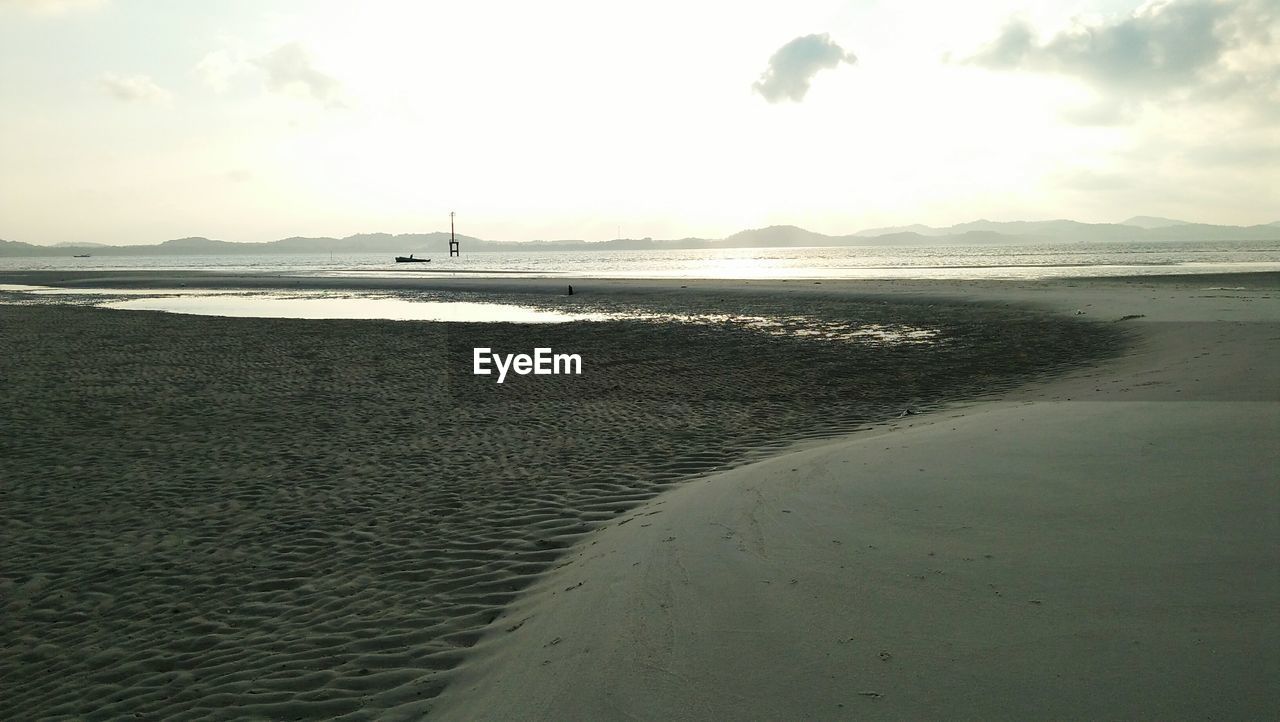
{"type": "Point", "coordinates": [206, 517]}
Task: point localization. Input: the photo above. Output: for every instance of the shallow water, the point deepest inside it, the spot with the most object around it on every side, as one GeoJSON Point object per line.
{"type": "Point", "coordinates": [1045, 260]}
{"type": "Point", "coordinates": [347, 307]}
{"type": "Point", "coordinates": [417, 306]}
{"type": "Point", "coordinates": [312, 305]}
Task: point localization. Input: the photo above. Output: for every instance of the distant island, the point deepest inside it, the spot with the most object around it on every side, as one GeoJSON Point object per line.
{"type": "Point", "coordinates": [1138, 228]}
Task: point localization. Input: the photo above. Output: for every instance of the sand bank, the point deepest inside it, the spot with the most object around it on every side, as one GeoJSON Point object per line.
{"type": "Point", "coordinates": [1101, 546]}
{"type": "Point", "coordinates": [209, 517]}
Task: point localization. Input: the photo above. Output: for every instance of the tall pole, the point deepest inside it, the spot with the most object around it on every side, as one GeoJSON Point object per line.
{"type": "Point", "coordinates": [453, 239]}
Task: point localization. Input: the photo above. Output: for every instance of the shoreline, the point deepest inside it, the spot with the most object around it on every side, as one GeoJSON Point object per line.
{"type": "Point", "coordinates": [223, 279]}
{"type": "Point", "coordinates": [1097, 546]}
{"type": "Point", "coordinates": [458, 666]}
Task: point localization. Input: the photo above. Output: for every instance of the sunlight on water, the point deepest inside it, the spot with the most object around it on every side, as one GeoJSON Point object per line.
{"type": "Point", "coordinates": [357, 305]}
{"type": "Point", "coordinates": [1020, 261]}
{"type": "Point", "coordinates": [349, 307]}
{"type": "Point", "coordinates": [45, 291]}
{"type": "Point", "coordinates": [807, 326]}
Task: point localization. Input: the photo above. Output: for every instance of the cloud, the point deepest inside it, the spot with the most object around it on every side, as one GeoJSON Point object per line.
{"type": "Point", "coordinates": [794, 65]}
{"type": "Point", "coordinates": [217, 68]}
{"type": "Point", "coordinates": [1010, 48]}
{"type": "Point", "coordinates": [289, 70]}
{"type": "Point", "coordinates": [135, 88]}
{"type": "Point", "coordinates": [1189, 49]}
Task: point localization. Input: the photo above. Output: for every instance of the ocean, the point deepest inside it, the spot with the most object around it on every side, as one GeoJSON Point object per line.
{"type": "Point", "coordinates": [1049, 260]}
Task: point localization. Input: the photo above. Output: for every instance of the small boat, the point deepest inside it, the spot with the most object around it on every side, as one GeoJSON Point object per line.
{"type": "Point", "coordinates": [410, 259]}
{"type": "Point", "coordinates": [82, 255]}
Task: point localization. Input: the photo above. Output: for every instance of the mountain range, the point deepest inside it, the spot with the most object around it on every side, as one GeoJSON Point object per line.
{"type": "Point", "coordinates": [1138, 228]}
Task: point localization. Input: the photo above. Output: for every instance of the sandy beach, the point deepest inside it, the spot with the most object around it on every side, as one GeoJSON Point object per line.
{"type": "Point", "coordinates": [1103, 546]}
{"type": "Point", "coordinates": [579, 361]}
{"type": "Point", "coordinates": [1064, 506]}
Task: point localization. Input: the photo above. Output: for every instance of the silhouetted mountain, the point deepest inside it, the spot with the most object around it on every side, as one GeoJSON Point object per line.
{"type": "Point", "coordinates": [973, 233]}
{"type": "Point", "coordinates": [916, 228]}
{"type": "Point", "coordinates": [1075, 231]}
{"type": "Point", "coordinates": [198, 245]}
{"type": "Point", "coordinates": [1153, 222]}
{"type": "Point", "coordinates": [1062, 230]}
{"type": "Point", "coordinates": [1204, 231]}
{"type": "Point", "coordinates": [777, 236]}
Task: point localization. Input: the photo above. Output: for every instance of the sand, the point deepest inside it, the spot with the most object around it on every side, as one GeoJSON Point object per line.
{"type": "Point", "coordinates": [238, 517]}
{"type": "Point", "coordinates": [1104, 546]}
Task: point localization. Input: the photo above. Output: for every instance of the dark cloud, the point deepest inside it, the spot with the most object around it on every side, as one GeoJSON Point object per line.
{"type": "Point", "coordinates": [1198, 48]}
{"type": "Point", "coordinates": [794, 65]}
{"type": "Point", "coordinates": [289, 70]}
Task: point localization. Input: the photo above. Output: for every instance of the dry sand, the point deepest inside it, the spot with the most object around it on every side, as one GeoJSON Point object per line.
{"type": "Point", "coordinates": [238, 517]}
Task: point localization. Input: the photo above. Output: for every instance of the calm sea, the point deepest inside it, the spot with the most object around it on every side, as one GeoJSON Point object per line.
{"type": "Point", "coordinates": [1026, 261]}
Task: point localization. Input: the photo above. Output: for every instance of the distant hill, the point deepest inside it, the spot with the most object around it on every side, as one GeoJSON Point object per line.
{"type": "Point", "coordinates": [1063, 230]}
{"type": "Point", "coordinates": [982, 231]}
{"type": "Point", "coordinates": [1153, 222]}
{"type": "Point", "coordinates": [916, 228]}
{"type": "Point", "coordinates": [777, 236]}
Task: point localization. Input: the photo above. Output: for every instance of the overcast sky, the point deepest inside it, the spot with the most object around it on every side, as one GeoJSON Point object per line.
{"type": "Point", "coordinates": [136, 121]}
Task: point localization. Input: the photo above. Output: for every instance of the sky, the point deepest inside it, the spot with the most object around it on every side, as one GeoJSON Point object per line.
{"type": "Point", "coordinates": [137, 121]}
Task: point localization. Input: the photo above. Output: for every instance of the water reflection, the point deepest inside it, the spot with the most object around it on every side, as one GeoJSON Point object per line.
{"type": "Point", "coordinates": [46, 291]}
{"type": "Point", "coordinates": [807, 326]}
{"type": "Point", "coordinates": [367, 306]}
{"type": "Point", "coordinates": [19, 287]}
{"type": "Point", "coordinates": [348, 307]}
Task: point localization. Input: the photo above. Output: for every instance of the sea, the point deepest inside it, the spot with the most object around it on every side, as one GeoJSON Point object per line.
{"type": "Point", "coordinates": [1048, 260]}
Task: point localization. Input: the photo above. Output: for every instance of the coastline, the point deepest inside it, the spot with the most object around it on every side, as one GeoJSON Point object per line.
{"type": "Point", "coordinates": [503, 659]}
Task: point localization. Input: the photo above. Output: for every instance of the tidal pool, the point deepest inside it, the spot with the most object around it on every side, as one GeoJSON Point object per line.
{"type": "Point", "coordinates": [348, 307]}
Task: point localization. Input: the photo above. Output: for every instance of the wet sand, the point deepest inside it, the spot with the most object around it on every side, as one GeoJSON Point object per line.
{"type": "Point", "coordinates": [284, 518]}
{"type": "Point", "coordinates": [1101, 546]}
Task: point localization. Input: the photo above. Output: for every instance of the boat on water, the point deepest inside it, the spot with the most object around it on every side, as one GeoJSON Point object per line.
{"type": "Point", "coordinates": [83, 255]}
{"type": "Point", "coordinates": [453, 247]}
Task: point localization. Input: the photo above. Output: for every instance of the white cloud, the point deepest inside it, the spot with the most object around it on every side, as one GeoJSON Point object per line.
{"type": "Point", "coordinates": [793, 66]}
{"type": "Point", "coordinates": [289, 70]}
{"type": "Point", "coordinates": [217, 68]}
{"type": "Point", "coordinates": [135, 88]}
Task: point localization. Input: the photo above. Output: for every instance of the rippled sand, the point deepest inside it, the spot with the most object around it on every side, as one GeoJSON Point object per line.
{"type": "Point", "coordinates": [308, 519]}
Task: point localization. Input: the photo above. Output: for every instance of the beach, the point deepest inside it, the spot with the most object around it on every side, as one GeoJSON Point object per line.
{"type": "Point", "coordinates": [1061, 503]}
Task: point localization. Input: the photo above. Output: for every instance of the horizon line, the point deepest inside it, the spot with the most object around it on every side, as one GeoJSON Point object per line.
{"type": "Point", "coordinates": [887, 230]}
